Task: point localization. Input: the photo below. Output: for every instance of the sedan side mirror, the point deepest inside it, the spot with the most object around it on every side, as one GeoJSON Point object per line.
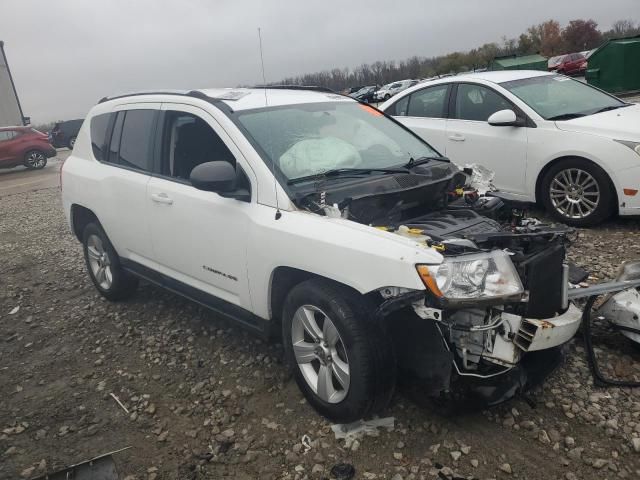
{"type": "Point", "coordinates": [504, 118]}
{"type": "Point", "coordinates": [219, 177]}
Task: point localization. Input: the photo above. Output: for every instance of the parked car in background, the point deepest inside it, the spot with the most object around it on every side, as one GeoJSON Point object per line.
{"type": "Point", "coordinates": [24, 146]}
{"type": "Point", "coordinates": [365, 94]}
{"type": "Point", "coordinates": [64, 134]}
{"type": "Point", "coordinates": [553, 62]}
{"type": "Point", "coordinates": [350, 90]}
{"type": "Point", "coordinates": [572, 64]}
{"type": "Point", "coordinates": [548, 138]}
{"type": "Point", "coordinates": [390, 89]}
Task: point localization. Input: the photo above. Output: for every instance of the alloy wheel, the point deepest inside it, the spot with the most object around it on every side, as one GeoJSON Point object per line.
{"type": "Point", "coordinates": [574, 193]}
{"type": "Point", "coordinates": [36, 160]}
{"type": "Point", "coordinates": [99, 262]}
{"type": "Point", "coordinates": [320, 354]}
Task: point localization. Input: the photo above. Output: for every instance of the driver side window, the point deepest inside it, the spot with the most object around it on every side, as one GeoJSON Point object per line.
{"type": "Point", "coordinates": [189, 141]}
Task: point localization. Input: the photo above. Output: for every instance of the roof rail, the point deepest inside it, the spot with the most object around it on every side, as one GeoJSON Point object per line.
{"type": "Point", "coordinates": [312, 88]}
{"type": "Point", "coordinates": [192, 93]}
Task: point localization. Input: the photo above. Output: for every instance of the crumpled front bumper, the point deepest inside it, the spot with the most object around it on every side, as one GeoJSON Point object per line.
{"type": "Point", "coordinates": [534, 334]}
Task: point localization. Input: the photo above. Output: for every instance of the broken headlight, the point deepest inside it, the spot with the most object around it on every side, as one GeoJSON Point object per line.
{"type": "Point", "coordinates": [482, 276]}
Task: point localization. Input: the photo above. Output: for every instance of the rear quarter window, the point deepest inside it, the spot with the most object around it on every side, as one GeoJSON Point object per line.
{"type": "Point", "coordinates": [99, 126]}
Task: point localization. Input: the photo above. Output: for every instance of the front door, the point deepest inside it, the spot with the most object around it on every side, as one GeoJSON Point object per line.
{"type": "Point", "coordinates": [199, 238]}
{"type": "Point", "coordinates": [470, 139]}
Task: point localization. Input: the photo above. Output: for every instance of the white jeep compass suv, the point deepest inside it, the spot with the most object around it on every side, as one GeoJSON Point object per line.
{"type": "Point", "coordinates": [306, 213]}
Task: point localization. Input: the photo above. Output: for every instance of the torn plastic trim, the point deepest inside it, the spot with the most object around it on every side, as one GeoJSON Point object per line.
{"type": "Point", "coordinates": [396, 303]}
{"type": "Point", "coordinates": [622, 310]}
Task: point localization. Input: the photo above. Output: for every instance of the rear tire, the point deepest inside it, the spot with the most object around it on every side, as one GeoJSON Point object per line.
{"type": "Point", "coordinates": [72, 142]}
{"type": "Point", "coordinates": [578, 193]}
{"type": "Point", "coordinates": [103, 265]}
{"type": "Point", "coordinates": [35, 160]}
{"type": "Point", "coordinates": [346, 369]}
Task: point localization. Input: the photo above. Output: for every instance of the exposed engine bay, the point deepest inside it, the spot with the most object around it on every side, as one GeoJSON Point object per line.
{"type": "Point", "coordinates": [491, 342]}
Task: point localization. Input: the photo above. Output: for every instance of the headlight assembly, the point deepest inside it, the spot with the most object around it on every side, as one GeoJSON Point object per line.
{"type": "Point", "coordinates": [471, 278]}
{"type": "Point", "coordinates": [635, 146]}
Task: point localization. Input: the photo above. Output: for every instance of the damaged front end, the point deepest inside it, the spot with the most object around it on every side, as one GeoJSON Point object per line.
{"type": "Point", "coordinates": [495, 314]}
{"type": "Point", "coordinates": [496, 311]}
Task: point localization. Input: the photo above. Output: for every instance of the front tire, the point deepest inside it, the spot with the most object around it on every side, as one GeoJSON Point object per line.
{"type": "Point", "coordinates": [72, 142]}
{"type": "Point", "coordinates": [341, 359]}
{"type": "Point", "coordinates": [578, 193]}
{"type": "Point", "coordinates": [387, 97]}
{"type": "Point", "coordinates": [35, 160]}
{"type": "Point", "coordinates": [103, 265]}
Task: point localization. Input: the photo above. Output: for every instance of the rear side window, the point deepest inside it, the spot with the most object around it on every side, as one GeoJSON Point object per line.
{"type": "Point", "coordinates": [136, 140]}
{"type": "Point", "coordinates": [428, 102]}
{"type": "Point", "coordinates": [99, 126]}
{"type": "Point", "coordinates": [400, 107]}
{"type": "Point", "coordinates": [7, 135]}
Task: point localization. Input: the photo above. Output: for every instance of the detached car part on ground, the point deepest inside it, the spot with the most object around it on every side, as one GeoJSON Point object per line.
{"type": "Point", "coordinates": [368, 251]}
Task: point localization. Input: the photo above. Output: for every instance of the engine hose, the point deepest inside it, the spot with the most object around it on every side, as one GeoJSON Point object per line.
{"type": "Point", "coordinates": [598, 378]}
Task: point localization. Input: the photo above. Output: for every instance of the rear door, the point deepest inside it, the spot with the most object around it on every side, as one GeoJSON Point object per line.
{"type": "Point", "coordinates": [425, 112]}
{"type": "Point", "coordinates": [470, 138]}
{"type": "Point", "coordinates": [128, 163]}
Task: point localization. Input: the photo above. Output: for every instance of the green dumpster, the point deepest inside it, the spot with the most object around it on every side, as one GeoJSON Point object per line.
{"type": "Point", "coordinates": [516, 62]}
{"type": "Point", "coordinates": [615, 65]}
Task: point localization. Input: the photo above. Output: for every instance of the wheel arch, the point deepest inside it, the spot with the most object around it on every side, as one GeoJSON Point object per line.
{"type": "Point", "coordinates": [555, 161]}
{"type": "Point", "coordinates": [284, 278]}
{"type": "Point", "coordinates": [80, 218]}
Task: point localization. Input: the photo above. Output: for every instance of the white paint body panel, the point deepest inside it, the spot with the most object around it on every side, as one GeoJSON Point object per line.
{"type": "Point", "coordinates": [518, 155]}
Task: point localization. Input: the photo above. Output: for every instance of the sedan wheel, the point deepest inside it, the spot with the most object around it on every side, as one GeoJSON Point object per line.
{"type": "Point", "coordinates": [574, 193]}
{"type": "Point", "coordinates": [320, 354]}
{"type": "Point", "coordinates": [578, 192]}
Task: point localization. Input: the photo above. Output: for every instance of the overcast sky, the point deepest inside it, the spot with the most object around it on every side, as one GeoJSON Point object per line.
{"type": "Point", "coordinates": [66, 54]}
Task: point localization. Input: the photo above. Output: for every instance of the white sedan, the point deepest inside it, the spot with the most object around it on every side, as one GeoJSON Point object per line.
{"type": "Point", "coordinates": [548, 138]}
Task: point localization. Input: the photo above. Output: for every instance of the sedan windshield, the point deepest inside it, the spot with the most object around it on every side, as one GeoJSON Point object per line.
{"type": "Point", "coordinates": [556, 97]}
{"type": "Point", "coordinates": [309, 139]}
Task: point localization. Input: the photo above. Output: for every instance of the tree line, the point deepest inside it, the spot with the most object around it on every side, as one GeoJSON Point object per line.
{"type": "Point", "coordinates": [547, 38]}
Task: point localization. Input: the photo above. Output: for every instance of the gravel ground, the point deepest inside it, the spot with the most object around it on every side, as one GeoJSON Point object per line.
{"type": "Point", "coordinates": [207, 400]}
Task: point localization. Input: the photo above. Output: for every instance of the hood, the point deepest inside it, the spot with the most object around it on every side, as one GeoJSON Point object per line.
{"type": "Point", "coordinates": [620, 124]}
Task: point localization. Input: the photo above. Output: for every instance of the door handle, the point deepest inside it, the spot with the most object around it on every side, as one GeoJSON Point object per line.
{"type": "Point", "coordinates": [456, 137]}
{"type": "Point", "coordinates": [161, 198]}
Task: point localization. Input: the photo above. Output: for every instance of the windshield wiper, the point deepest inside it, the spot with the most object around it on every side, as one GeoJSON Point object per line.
{"type": "Point", "coordinates": [566, 116]}
{"type": "Point", "coordinates": [611, 107]}
{"type": "Point", "coordinates": [414, 162]}
{"type": "Point", "coordinates": [344, 172]}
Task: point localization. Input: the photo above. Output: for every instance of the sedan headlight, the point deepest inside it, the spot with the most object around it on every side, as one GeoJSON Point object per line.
{"type": "Point", "coordinates": [635, 146]}
{"type": "Point", "coordinates": [482, 276]}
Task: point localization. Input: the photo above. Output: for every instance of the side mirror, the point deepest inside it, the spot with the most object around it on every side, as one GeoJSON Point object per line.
{"type": "Point", "coordinates": [219, 177]}
{"type": "Point", "coordinates": [504, 118]}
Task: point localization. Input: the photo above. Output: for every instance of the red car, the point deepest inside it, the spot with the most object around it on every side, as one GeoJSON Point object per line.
{"type": "Point", "coordinates": [572, 64]}
{"type": "Point", "coordinates": [24, 146]}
